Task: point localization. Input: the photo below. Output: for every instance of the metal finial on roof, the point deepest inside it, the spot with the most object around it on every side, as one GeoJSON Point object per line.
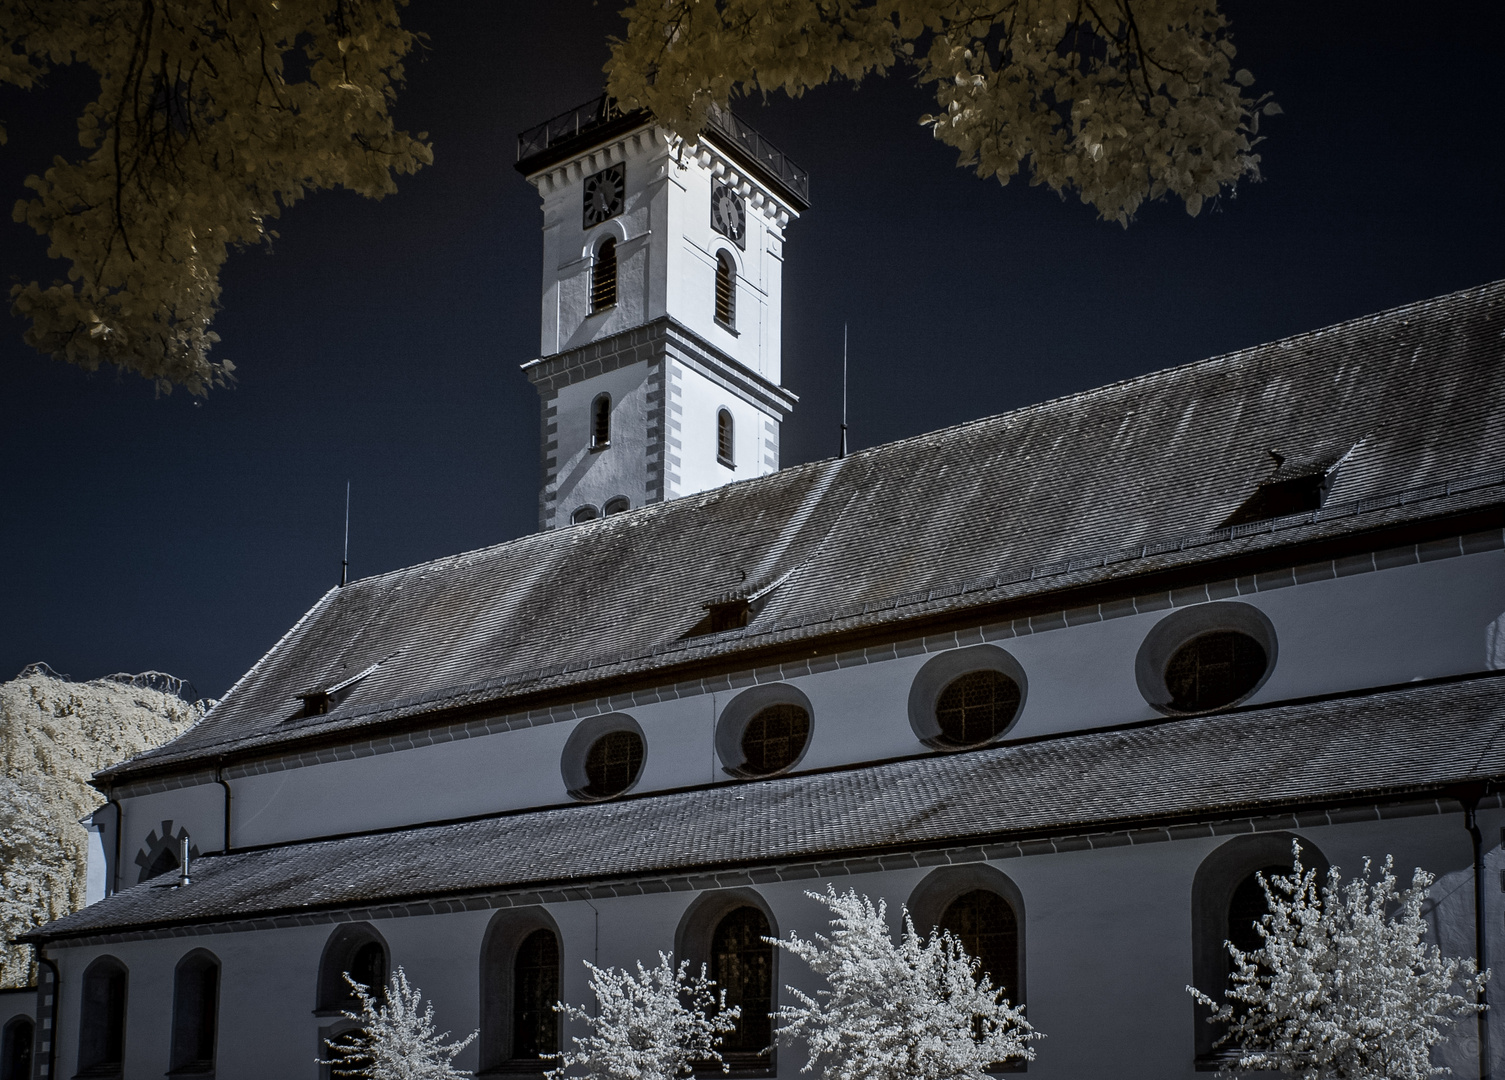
{"type": "Point", "coordinates": [345, 561]}
{"type": "Point", "coordinates": [843, 452]}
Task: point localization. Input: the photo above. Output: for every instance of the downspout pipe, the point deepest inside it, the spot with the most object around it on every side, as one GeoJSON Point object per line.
{"type": "Point", "coordinates": [112, 879]}
{"type": "Point", "coordinates": [219, 778]}
{"type": "Point", "coordinates": [1470, 800]}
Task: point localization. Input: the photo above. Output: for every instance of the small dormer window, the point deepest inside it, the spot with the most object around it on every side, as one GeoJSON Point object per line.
{"type": "Point", "coordinates": [601, 422]}
{"type": "Point", "coordinates": [724, 442]}
{"type": "Point", "coordinates": [604, 277]}
{"type": "Point", "coordinates": [616, 505]}
{"type": "Point", "coordinates": [726, 290]}
{"type": "Point", "coordinates": [583, 514]}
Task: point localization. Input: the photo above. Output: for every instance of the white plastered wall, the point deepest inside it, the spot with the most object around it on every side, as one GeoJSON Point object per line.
{"type": "Point", "coordinates": [586, 476]}
{"type": "Point", "coordinates": [700, 400]}
{"type": "Point", "coordinates": [1421, 621]}
{"type": "Point", "coordinates": [1107, 940]}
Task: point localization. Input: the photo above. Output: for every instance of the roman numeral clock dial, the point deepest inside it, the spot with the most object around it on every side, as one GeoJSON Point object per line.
{"type": "Point", "coordinates": [728, 216]}
{"type": "Point", "coordinates": [603, 195]}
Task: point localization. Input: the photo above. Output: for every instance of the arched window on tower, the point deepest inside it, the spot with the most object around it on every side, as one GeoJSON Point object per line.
{"type": "Point", "coordinates": [604, 276]}
{"type": "Point", "coordinates": [101, 1027]}
{"type": "Point", "coordinates": [742, 965]}
{"type": "Point", "coordinates": [601, 422]}
{"type": "Point", "coordinates": [195, 1013]}
{"type": "Point", "coordinates": [726, 290]}
{"type": "Point", "coordinates": [725, 445]}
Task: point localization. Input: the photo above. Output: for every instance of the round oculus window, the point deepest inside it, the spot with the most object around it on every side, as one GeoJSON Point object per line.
{"type": "Point", "coordinates": [612, 763]}
{"type": "Point", "coordinates": [1205, 657]}
{"type": "Point", "coordinates": [774, 739]}
{"type": "Point", "coordinates": [976, 707]}
{"type": "Point", "coordinates": [1213, 670]}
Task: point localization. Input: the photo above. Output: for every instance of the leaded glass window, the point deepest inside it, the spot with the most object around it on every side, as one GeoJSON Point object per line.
{"type": "Point", "coordinates": [976, 707]}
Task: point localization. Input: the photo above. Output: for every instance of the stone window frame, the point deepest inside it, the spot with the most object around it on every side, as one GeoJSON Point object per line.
{"type": "Point", "coordinates": [1182, 625]}
{"type": "Point", "coordinates": [182, 1060]}
{"type": "Point", "coordinates": [739, 711]}
{"type": "Point", "coordinates": [936, 892]}
{"type": "Point", "coordinates": [331, 993]}
{"type": "Point", "coordinates": [505, 933]}
{"type": "Point", "coordinates": [944, 668]}
{"type": "Point", "coordinates": [692, 941]}
{"type": "Point", "coordinates": [726, 438]}
{"type": "Point", "coordinates": [600, 422]}
{"type": "Point", "coordinates": [578, 744]}
{"type": "Point", "coordinates": [94, 1061]}
{"type": "Point", "coordinates": [1218, 876]}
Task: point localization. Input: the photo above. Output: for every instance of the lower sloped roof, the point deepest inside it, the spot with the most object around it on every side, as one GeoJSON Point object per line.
{"type": "Point", "coordinates": [1412, 739]}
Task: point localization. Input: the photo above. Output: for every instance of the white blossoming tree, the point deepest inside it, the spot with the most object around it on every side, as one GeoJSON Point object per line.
{"type": "Point", "coordinates": [916, 1010]}
{"type": "Point", "coordinates": [654, 1025]}
{"type": "Point", "coordinates": [1344, 984]}
{"type": "Point", "coordinates": [1118, 102]}
{"type": "Point", "coordinates": [396, 1039]}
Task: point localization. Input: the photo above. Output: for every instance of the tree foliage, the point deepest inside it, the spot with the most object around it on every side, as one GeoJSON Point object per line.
{"type": "Point", "coordinates": [655, 1025]}
{"type": "Point", "coordinates": [55, 735]}
{"type": "Point", "coordinates": [396, 1038]}
{"type": "Point", "coordinates": [1344, 984]}
{"type": "Point", "coordinates": [917, 1010]}
{"type": "Point", "coordinates": [212, 116]}
{"type": "Point", "coordinates": [1119, 101]}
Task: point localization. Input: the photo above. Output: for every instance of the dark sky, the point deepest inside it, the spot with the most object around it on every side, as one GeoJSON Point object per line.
{"type": "Point", "coordinates": [380, 342]}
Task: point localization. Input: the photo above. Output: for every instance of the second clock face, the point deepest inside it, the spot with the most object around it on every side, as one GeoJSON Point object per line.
{"type": "Point", "coordinates": [728, 215]}
{"type": "Point", "coordinates": [603, 195]}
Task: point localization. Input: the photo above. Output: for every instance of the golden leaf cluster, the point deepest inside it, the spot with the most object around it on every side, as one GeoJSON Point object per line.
{"type": "Point", "coordinates": [1119, 101]}
{"type": "Point", "coordinates": [212, 116]}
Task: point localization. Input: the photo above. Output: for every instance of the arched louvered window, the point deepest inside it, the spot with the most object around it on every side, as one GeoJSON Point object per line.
{"type": "Point", "coordinates": [15, 1049]}
{"type": "Point", "coordinates": [725, 445]}
{"type": "Point", "coordinates": [742, 965]}
{"type": "Point", "coordinates": [195, 1012]}
{"type": "Point", "coordinates": [604, 276]}
{"type": "Point", "coordinates": [601, 422]}
{"type": "Point", "coordinates": [726, 290]}
{"type": "Point", "coordinates": [101, 1027]}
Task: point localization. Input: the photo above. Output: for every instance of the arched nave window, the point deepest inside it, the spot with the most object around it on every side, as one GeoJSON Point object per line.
{"type": "Point", "coordinates": [359, 950]}
{"type": "Point", "coordinates": [1226, 901]}
{"type": "Point", "coordinates": [195, 1012]}
{"type": "Point", "coordinates": [984, 910]}
{"type": "Point", "coordinates": [15, 1049]}
{"type": "Point", "coordinates": [520, 983]}
{"type": "Point", "coordinates": [101, 1023]}
{"type": "Point", "coordinates": [724, 930]}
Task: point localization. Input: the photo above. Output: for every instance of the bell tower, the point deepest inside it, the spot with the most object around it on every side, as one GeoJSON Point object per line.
{"type": "Point", "coordinates": [659, 362]}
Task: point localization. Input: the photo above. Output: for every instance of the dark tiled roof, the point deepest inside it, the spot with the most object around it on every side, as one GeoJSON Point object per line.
{"type": "Point", "coordinates": [1393, 743]}
{"type": "Point", "coordinates": [1414, 396]}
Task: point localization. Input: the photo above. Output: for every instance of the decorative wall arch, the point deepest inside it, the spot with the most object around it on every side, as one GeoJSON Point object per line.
{"type": "Point", "coordinates": [1213, 887]}
{"type": "Point", "coordinates": [505, 935]}
{"type": "Point", "coordinates": [349, 948]}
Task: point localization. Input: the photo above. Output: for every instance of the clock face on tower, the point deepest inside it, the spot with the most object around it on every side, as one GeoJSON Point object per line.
{"type": "Point", "coordinates": [603, 195]}
{"type": "Point", "coordinates": [728, 217]}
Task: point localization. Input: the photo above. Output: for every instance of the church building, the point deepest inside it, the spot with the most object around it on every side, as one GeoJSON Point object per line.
{"type": "Point", "coordinates": [1060, 680]}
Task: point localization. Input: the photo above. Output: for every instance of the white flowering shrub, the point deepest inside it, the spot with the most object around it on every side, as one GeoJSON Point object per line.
{"type": "Point", "coordinates": [54, 735]}
{"type": "Point", "coordinates": [657, 1024]}
{"type": "Point", "coordinates": [1344, 985]}
{"type": "Point", "coordinates": [916, 1010]}
{"type": "Point", "coordinates": [396, 1039]}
